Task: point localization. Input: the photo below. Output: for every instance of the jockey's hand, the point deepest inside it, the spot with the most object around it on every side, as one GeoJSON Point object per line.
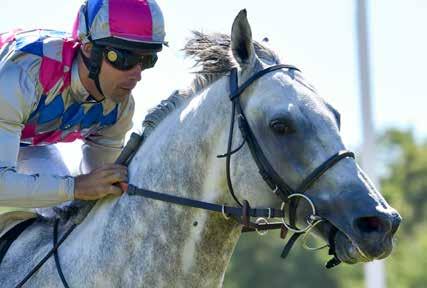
{"type": "Point", "coordinates": [100, 182]}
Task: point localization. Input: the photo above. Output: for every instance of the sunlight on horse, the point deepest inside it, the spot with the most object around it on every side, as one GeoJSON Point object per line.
{"type": "Point", "coordinates": [138, 242]}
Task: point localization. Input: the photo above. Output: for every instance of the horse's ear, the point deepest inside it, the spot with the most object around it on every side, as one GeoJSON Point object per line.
{"type": "Point", "coordinates": [241, 40]}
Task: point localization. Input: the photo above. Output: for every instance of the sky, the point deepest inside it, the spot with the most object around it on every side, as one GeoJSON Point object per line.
{"type": "Point", "coordinates": [319, 37]}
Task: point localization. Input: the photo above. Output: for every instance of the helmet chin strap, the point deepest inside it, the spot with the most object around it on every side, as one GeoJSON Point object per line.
{"type": "Point", "coordinates": [93, 64]}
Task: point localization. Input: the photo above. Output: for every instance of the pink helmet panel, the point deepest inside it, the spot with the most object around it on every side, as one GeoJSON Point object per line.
{"type": "Point", "coordinates": [130, 21]}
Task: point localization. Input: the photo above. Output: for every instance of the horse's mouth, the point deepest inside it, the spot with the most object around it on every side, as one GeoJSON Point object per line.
{"type": "Point", "coordinates": [349, 252]}
{"type": "Point", "coordinates": [363, 249]}
{"type": "Point", "coordinates": [352, 247]}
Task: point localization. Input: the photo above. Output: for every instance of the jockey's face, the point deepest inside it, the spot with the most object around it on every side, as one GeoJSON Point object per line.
{"type": "Point", "coordinates": [116, 84]}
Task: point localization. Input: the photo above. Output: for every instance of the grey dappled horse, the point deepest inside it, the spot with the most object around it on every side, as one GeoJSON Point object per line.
{"type": "Point", "coordinates": [137, 242]}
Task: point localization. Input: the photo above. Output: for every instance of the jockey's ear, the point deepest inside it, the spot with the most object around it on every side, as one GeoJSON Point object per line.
{"type": "Point", "coordinates": [241, 40]}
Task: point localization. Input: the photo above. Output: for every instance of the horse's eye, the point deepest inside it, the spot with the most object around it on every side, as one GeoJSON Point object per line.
{"type": "Point", "coordinates": [281, 126]}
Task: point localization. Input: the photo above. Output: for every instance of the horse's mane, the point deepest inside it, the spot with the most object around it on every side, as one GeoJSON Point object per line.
{"type": "Point", "coordinates": [212, 53]}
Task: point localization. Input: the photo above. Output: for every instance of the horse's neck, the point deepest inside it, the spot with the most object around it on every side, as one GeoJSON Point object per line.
{"type": "Point", "coordinates": [180, 151]}
{"type": "Point", "coordinates": [179, 158]}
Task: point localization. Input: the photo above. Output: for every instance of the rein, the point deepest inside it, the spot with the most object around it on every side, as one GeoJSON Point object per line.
{"type": "Point", "coordinates": [243, 212]}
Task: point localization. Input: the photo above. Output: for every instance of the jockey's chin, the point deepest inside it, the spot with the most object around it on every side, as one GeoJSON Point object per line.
{"type": "Point", "coordinates": [120, 95]}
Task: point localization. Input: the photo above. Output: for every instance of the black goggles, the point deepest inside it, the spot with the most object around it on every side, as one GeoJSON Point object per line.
{"type": "Point", "coordinates": [125, 60]}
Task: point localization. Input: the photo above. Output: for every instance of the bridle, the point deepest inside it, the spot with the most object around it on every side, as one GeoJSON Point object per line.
{"type": "Point", "coordinates": [243, 212]}
{"type": "Point", "coordinates": [288, 196]}
{"type": "Point", "coordinates": [280, 188]}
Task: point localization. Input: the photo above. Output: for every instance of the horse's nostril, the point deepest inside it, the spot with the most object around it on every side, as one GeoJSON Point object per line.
{"type": "Point", "coordinates": [369, 224]}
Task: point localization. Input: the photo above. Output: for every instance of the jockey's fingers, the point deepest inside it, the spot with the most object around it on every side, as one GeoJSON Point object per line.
{"type": "Point", "coordinates": [116, 176]}
{"type": "Point", "coordinates": [105, 172]}
{"type": "Point", "coordinates": [109, 170]}
{"type": "Point", "coordinates": [112, 166]}
{"type": "Point", "coordinates": [115, 190]}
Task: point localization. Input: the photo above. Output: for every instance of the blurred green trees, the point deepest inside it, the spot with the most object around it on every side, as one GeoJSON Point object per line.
{"type": "Point", "coordinates": [257, 263]}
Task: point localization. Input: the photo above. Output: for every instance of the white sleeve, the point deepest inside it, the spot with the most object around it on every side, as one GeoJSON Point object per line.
{"type": "Point", "coordinates": [18, 94]}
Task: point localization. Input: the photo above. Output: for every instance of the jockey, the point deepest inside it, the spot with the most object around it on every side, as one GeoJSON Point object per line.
{"type": "Point", "coordinates": [56, 87]}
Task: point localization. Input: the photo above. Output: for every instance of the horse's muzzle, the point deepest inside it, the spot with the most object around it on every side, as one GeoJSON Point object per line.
{"type": "Point", "coordinates": [371, 238]}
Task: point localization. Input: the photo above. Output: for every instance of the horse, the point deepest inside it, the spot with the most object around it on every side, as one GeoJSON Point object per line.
{"type": "Point", "coordinates": [132, 241]}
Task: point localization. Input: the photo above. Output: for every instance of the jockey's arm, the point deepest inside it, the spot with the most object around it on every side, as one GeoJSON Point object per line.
{"type": "Point", "coordinates": [17, 97]}
{"type": "Point", "coordinates": [99, 151]}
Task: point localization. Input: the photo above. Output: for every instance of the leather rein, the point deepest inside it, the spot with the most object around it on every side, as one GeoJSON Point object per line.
{"type": "Point", "coordinates": [243, 212]}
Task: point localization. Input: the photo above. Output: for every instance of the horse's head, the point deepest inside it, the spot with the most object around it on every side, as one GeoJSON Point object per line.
{"type": "Point", "coordinates": [298, 132]}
